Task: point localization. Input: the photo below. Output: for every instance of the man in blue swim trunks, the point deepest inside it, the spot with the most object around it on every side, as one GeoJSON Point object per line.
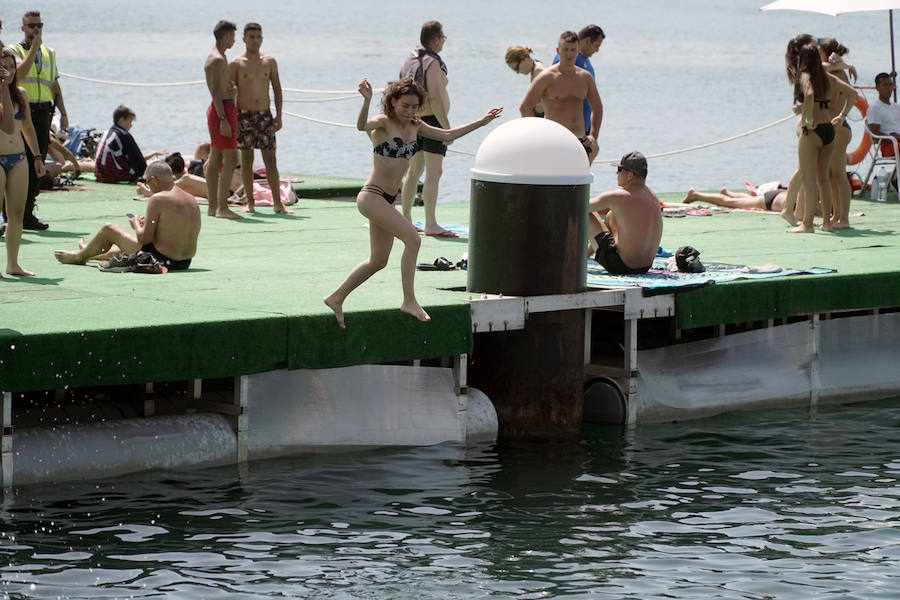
{"type": "Point", "coordinates": [169, 230]}
{"type": "Point", "coordinates": [626, 224]}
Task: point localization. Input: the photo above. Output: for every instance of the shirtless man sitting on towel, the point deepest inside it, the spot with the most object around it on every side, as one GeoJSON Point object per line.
{"type": "Point", "coordinates": [626, 224]}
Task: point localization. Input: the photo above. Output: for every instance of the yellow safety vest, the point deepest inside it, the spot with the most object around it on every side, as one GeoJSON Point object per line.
{"type": "Point", "coordinates": [37, 83]}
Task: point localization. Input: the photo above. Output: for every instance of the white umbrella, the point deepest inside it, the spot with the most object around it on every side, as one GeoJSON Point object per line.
{"type": "Point", "coordinates": [837, 7]}
{"type": "Point", "coordinates": [832, 7]}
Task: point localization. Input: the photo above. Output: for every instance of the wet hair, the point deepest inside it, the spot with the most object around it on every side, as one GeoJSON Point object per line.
{"type": "Point", "coordinates": [568, 36]}
{"type": "Point", "coordinates": [592, 32]}
{"type": "Point", "coordinates": [15, 93]}
{"type": "Point", "coordinates": [223, 28]}
{"type": "Point", "coordinates": [252, 27]}
{"type": "Point", "coordinates": [831, 46]}
{"type": "Point", "coordinates": [31, 13]}
{"type": "Point", "coordinates": [122, 112]}
{"type": "Point", "coordinates": [810, 74]}
{"type": "Point", "coordinates": [430, 31]}
{"type": "Point", "coordinates": [396, 89]}
{"type": "Point", "coordinates": [881, 76]}
{"type": "Point", "coordinates": [516, 54]}
{"type": "Point", "coordinates": [790, 55]}
{"type": "Point", "coordinates": [176, 163]}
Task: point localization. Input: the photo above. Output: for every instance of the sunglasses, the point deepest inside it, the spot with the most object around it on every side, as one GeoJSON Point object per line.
{"type": "Point", "coordinates": [33, 25]}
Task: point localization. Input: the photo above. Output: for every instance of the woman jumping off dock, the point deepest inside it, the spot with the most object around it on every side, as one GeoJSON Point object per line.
{"type": "Point", "coordinates": [390, 132]}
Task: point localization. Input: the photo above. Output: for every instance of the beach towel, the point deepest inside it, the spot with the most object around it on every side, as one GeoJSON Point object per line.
{"type": "Point", "coordinates": [664, 276]}
{"type": "Point", "coordinates": [262, 194]}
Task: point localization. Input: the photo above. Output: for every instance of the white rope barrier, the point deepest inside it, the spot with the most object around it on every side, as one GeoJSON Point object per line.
{"type": "Point", "coordinates": [321, 121]}
{"type": "Point", "coordinates": [708, 144]}
{"type": "Point", "coordinates": [285, 89]}
{"type": "Point", "coordinates": [351, 94]}
{"type": "Point", "coordinates": [129, 83]}
{"type": "Point", "coordinates": [349, 126]}
{"type": "Point", "coordinates": [332, 99]}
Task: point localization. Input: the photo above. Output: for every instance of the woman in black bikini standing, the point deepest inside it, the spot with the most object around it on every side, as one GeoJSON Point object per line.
{"type": "Point", "coordinates": [813, 90]}
{"type": "Point", "coordinates": [390, 132]}
{"type": "Point", "coordinates": [831, 54]}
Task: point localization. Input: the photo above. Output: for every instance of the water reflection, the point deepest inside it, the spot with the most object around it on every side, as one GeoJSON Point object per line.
{"type": "Point", "coordinates": [734, 507]}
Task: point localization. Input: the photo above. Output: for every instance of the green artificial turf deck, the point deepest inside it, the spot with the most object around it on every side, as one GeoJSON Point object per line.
{"type": "Point", "coordinates": [252, 300]}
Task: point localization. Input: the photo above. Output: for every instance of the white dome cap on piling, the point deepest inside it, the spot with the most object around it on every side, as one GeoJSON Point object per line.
{"type": "Point", "coordinates": [532, 151]}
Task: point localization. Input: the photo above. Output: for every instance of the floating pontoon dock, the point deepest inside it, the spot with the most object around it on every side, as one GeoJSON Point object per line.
{"type": "Point", "coordinates": [238, 358]}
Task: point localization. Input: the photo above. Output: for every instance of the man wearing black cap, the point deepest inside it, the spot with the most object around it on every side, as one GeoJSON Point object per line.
{"type": "Point", "coordinates": [626, 224]}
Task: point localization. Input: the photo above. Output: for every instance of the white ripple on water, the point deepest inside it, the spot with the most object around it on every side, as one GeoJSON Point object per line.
{"type": "Point", "coordinates": [137, 533]}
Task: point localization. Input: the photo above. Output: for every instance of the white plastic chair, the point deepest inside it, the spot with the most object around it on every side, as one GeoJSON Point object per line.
{"type": "Point", "coordinates": [878, 159]}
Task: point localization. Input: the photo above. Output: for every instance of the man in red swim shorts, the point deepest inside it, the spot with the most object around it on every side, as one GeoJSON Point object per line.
{"type": "Point", "coordinates": [221, 117]}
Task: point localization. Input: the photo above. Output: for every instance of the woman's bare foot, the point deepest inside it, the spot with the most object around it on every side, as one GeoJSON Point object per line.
{"type": "Point", "coordinates": [82, 244]}
{"type": "Point", "coordinates": [68, 258]}
{"type": "Point", "coordinates": [840, 225]}
{"type": "Point", "coordinates": [17, 270]}
{"type": "Point", "coordinates": [801, 228]}
{"type": "Point", "coordinates": [792, 221]}
{"type": "Point", "coordinates": [337, 307]}
{"type": "Point", "coordinates": [413, 308]}
{"type": "Point", "coordinates": [227, 213]}
{"type": "Point", "coordinates": [691, 196]}
{"type": "Point", "coordinates": [250, 208]}
{"type": "Point", "coordinates": [281, 208]}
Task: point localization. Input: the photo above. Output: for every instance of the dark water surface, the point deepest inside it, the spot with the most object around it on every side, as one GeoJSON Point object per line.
{"type": "Point", "coordinates": [776, 505]}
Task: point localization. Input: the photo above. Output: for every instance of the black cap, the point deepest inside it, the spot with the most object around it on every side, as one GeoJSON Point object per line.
{"type": "Point", "coordinates": [635, 162]}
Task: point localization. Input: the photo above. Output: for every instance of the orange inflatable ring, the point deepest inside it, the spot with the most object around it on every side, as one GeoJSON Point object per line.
{"type": "Point", "coordinates": [856, 157]}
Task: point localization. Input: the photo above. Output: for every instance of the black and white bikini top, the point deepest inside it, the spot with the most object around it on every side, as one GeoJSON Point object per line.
{"type": "Point", "coordinates": [396, 148]}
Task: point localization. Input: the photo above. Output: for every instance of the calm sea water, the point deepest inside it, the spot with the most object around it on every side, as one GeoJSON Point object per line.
{"type": "Point", "coordinates": [744, 506]}
{"type": "Point", "coordinates": [741, 506]}
{"type": "Point", "coordinates": [671, 74]}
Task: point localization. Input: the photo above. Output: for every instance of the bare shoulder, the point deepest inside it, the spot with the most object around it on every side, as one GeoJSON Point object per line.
{"type": "Point", "coordinates": [268, 59]}
{"type": "Point", "coordinates": [610, 199]}
{"type": "Point", "coordinates": [214, 59]}
{"type": "Point", "coordinates": [381, 119]}
{"type": "Point", "coordinates": [545, 76]}
{"type": "Point", "coordinates": [583, 73]}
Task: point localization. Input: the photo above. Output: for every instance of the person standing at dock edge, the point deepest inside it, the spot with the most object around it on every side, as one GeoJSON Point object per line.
{"type": "Point", "coordinates": [253, 72]}
{"type": "Point", "coordinates": [590, 38]}
{"type": "Point", "coordinates": [396, 135]}
{"type": "Point", "coordinates": [425, 66]}
{"type": "Point", "coordinates": [561, 89]}
{"type": "Point", "coordinates": [221, 118]}
{"type": "Point", "coordinates": [16, 132]}
{"type": "Point", "coordinates": [38, 74]}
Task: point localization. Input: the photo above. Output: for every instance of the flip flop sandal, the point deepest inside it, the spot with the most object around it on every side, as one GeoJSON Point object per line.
{"type": "Point", "coordinates": [443, 264]}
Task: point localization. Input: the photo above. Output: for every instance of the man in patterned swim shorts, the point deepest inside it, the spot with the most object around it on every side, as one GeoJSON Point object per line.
{"type": "Point", "coordinates": [254, 73]}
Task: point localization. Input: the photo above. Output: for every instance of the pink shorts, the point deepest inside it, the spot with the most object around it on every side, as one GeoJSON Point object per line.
{"type": "Point", "coordinates": [218, 141]}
